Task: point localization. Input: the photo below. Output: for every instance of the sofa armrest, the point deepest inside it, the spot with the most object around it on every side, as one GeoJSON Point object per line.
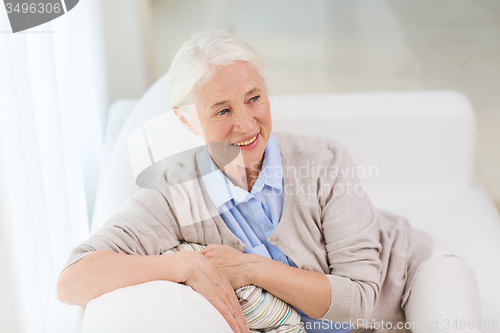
{"type": "Point", "coordinates": [153, 307]}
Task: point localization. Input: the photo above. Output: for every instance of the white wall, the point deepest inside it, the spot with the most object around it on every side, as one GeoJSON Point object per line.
{"type": "Point", "coordinates": [127, 37]}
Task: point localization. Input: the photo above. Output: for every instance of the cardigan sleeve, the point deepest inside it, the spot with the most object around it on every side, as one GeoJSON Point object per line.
{"type": "Point", "coordinates": [145, 226]}
{"type": "Point", "coordinates": [352, 242]}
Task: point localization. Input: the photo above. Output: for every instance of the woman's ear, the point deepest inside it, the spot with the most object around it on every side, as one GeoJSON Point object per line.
{"type": "Point", "coordinates": [184, 120]}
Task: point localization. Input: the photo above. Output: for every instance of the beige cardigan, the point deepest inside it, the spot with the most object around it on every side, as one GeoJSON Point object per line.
{"type": "Point", "coordinates": [370, 256]}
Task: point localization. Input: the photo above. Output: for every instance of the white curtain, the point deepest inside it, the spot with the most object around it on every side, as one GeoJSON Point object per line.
{"type": "Point", "coordinates": [52, 105]}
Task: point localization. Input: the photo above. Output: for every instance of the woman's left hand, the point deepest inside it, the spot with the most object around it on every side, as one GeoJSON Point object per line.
{"type": "Point", "coordinates": [234, 265]}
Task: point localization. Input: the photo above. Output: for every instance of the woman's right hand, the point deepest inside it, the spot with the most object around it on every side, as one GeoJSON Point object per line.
{"type": "Point", "coordinates": [204, 278]}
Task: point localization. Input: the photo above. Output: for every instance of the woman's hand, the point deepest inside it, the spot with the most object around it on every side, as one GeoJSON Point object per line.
{"type": "Point", "coordinates": [205, 279]}
{"type": "Point", "coordinates": [234, 265]}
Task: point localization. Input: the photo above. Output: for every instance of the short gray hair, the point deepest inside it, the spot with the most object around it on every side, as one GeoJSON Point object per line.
{"type": "Point", "coordinates": [198, 59]}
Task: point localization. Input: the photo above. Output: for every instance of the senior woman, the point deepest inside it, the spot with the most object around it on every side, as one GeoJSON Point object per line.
{"type": "Point", "coordinates": [311, 238]}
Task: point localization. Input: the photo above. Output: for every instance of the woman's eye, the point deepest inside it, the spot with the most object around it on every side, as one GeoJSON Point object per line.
{"type": "Point", "coordinates": [254, 99]}
{"type": "Point", "coordinates": [223, 112]}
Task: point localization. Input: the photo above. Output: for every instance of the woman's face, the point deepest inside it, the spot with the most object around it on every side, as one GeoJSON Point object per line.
{"type": "Point", "coordinates": [233, 108]}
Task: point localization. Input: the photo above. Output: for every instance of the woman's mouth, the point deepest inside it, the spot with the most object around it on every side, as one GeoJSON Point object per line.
{"type": "Point", "coordinates": [248, 144]}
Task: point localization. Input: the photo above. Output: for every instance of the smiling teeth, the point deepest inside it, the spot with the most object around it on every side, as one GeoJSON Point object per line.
{"type": "Point", "coordinates": [246, 143]}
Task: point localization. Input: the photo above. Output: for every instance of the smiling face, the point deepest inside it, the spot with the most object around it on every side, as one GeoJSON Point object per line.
{"type": "Point", "coordinates": [233, 108]}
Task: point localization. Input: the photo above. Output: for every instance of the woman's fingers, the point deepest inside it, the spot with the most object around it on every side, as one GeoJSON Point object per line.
{"type": "Point", "coordinates": [240, 316]}
{"type": "Point", "coordinates": [228, 315]}
{"type": "Point", "coordinates": [230, 263]}
{"type": "Point", "coordinates": [226, 302]}
{"type": "Point", "coordinates": [236, 310]}
{"type": "Point", "coordinates": [206, 280]}
{"type": "Point", "coordinates": [209, 248]}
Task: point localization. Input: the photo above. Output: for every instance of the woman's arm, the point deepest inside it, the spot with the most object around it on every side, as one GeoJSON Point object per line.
{"type": "Point", "coordinates": [305, 290]}
{"type": "Point", "coordinates": [104, 271]}
{"type": "Point", "coordinates": [126, 251]}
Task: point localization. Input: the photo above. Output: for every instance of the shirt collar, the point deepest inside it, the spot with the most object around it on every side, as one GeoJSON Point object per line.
{"type": "Point", "coordinates": [272, 172]}
{"type": "Point", "coordinates": [222, 190]}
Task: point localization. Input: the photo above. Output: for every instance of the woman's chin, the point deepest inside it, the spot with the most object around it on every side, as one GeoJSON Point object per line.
{"type": "Point", "coordinates": [254, 158]}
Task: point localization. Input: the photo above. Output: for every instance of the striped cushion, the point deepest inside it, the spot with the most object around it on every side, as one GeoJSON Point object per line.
{"type": "Point", "coordinates": [264, 311]}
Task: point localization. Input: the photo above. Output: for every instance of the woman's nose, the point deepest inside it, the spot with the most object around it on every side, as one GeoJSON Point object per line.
{"type": "Point", "coordinates": [244, 120]}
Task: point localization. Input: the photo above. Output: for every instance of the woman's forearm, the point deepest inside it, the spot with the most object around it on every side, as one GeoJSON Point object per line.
{"type": "Point", "coordinates": [104, 271]}
{"type": "Point", "coordinates": [308, 291]}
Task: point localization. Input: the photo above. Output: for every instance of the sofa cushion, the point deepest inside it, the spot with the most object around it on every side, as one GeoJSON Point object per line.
{"type": "Point", "coordinates": [468, 223]}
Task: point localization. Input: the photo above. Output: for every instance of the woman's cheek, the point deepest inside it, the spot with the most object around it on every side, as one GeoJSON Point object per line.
{"type": "Point", "coordinates": [264, 115]}
{"type": "Point", "coordinates": [218, 131]}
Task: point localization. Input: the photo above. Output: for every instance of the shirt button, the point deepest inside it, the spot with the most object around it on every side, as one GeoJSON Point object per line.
{"type": "Point", "coordinates": [267, 226]}
{"type": "Point", "coordinates": [273, 239]}
{"type": "Point", "coordinates": [282, 261]}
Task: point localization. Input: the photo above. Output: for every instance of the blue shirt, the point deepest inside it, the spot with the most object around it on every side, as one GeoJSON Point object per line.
{"type": "Point", "coordinates": [253, 216]}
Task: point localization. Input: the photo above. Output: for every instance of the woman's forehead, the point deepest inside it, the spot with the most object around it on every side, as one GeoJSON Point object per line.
{"type": "Point", "coordinates": [231, 82]}
{"type": "Point", "coordinates": [235, 75]}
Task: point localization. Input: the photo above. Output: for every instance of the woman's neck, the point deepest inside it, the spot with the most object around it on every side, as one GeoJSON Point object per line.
{"type": "Point", "coordinates": [239, 174]}
{"type": "Point", "coordinates": [243, 177]}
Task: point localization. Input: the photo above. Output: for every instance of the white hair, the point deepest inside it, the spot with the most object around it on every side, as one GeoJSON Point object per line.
{"type": "Point", "coordinates": [198, 59]}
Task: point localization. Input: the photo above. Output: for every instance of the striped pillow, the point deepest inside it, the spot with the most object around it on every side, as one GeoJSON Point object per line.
{"type": "Point", "coordinates": [264, 311]}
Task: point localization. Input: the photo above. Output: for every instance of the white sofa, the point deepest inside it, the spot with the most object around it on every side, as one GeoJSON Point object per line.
{"type": "Point", "coordinates": [418, 146]}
